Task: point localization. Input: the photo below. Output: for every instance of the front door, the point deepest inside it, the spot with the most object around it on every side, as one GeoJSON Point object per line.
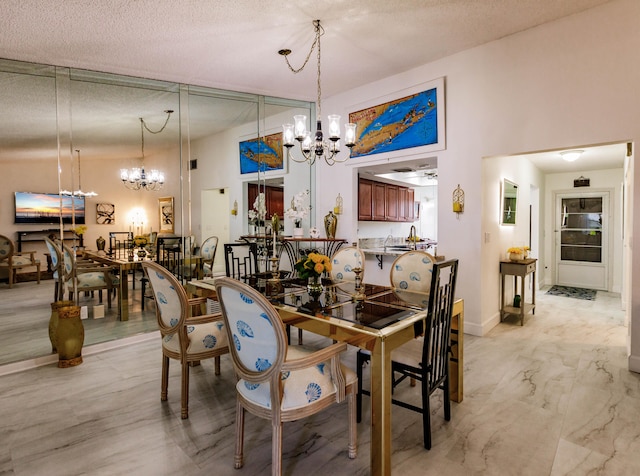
{"type": "Point", "coordinates": [582, 240]}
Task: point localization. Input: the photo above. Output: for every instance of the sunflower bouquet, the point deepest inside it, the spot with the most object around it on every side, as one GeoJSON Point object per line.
{"type": "Point", "coordinates": [313, 265]}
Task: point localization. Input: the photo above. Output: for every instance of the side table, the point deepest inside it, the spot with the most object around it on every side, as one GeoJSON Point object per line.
{"type": "Point", "coordinates": [518, 269]}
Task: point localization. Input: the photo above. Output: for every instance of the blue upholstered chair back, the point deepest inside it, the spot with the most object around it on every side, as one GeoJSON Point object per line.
{"type": "Point", "coordinates": [412, 271]}
{"type": "Point", "coordinates": [344, 261]}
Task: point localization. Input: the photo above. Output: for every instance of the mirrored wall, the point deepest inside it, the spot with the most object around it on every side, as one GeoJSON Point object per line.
{"type": "Point", "coordinates": [65, 129]}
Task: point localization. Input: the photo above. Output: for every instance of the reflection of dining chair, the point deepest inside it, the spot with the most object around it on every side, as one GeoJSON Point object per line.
{"type": "Point", "coordinates": [344, 261]}
{"type": "Point", "coordinates": [278, 382]}
{"type": "Point", "coordinates": [208, 253]}
{"type": "Point", "coordinates": [12, 261]}
{"type": "Point", "coordinates": [57, 264]}
{"type": "Point", "coordinates": [411, 271]}
{"type": "Point", "coordinates": [241, 260]}
{"type": "Point", "coordinates": [86, 276]}
{"type": "Point", "coordinates": [426, 358]}
{"type": "Point", "coordinates": [185, 337]}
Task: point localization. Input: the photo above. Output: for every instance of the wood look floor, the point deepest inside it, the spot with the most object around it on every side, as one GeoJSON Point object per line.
{"type": "Point", "coordinates": [553, 397]}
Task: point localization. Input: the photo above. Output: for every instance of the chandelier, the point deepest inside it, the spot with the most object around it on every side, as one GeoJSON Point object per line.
{"type": "Point", "coordinates": [136, 178]}
{"type": "Point", "coordinates": [317, 147]}
{"type": "Point", "coordinates": [79, 192]}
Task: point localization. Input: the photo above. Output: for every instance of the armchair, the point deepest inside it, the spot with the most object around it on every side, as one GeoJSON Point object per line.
{"type": "Point", "coordinates": [185, 337]}
{"type": "Point", "coordinates": [278, 382]}
{"type": "Point", "coordinates": [12, 261]}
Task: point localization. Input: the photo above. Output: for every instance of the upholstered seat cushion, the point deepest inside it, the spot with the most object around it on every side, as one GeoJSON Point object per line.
{"type": "Point", "coordinates": [202, 337]}
{"type": "Point", "coordinates": [91, 280]}
{"type": "Point", "coordinates": [20, 261]}
{"type": "Point", "coordinates": [301, 387]}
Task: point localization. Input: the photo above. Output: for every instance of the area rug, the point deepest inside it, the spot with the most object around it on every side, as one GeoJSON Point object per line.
{"type": "Point", "coordinates": [578, 293]}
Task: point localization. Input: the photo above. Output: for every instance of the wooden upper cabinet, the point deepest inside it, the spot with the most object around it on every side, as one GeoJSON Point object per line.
{"type": "Point", "coordinates": [365, 200]}
{"type": "Point", "coordinates": [379, 202]}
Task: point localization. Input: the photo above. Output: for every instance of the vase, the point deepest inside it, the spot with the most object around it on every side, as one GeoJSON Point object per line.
{"type": "Point", "coordinates": [100, 243]}
{"type": "Point", "coordinates": [330, 224]}
{"type": "Point", "coordinates": [142, 253]}
{"type": "Point", "coordinates": [314, 287]}
{"type": "Point", "coordinates": [53, 323]}
{"type": "Point", "coordinates": [70, 337]}
{"type": "Point", "coordinates": [252, 230]}
{"type": "Point", "coordinates": [298, 232]}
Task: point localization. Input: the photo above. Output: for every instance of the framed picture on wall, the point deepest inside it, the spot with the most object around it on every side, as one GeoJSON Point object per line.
{"type": "Point", "coordinates": [165, 207]}
{"type": "Point", "coordinates": [105, 213]}
{"type": "Point", "coordinates": [262, 155]}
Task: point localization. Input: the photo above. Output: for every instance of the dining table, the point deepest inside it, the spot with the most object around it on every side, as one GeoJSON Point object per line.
{"type": "Point", "coordinates": [124, 266]}
{"type": "Point", "coordinates": [380, 322]}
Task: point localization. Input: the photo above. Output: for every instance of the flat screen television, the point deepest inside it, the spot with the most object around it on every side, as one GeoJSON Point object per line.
{"type": "Point", "coordinates": [45, 208]}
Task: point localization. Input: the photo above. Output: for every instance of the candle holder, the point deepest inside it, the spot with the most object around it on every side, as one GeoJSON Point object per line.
{"type": "Point", "coordinates": [273, 283]}
{"type": "Point", "coordinates": [358, 295]}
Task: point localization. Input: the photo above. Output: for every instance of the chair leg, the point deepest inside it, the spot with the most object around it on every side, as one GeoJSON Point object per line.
{"type": "Point", "coordinates": [184, 393]}
{"type": "Point", "coordinates": [447, 399]}
{"type": "Point", "coordinates": [38, 272]}
{"type": "Point", "coordinates": [165, 378]}
{"type": "Point", "coordinates": [299, 336]}
{"type": "Point", "coordinates": [426, 413]}
{"type": "Point", "coordinates": [216, 362]}
{"type": "Point", "coordinates": [276, 448]}
{"type": "Point", "coordinates": [11, 278]}
{"type": "Point", "coordinates": [353, 430]}
{"type": "Point", "coordinates": [238, 459]}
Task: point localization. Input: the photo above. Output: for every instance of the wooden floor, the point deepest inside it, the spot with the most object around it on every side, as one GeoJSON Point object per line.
{"type": "Point", "coordinates": [25, 310]}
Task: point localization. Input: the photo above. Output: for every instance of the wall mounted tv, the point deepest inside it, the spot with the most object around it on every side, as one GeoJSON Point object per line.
{"type": "Point", "coordinates": [45, 208]}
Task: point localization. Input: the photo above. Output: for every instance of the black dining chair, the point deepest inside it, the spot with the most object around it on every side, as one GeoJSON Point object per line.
{"type": "Point", "coordinates": [426, 358]}
{"type": "Point", "coordinates": [241, 261]}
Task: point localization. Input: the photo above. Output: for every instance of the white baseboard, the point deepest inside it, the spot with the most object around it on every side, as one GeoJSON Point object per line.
{"type": "Point", "coordinates": [634, 363]}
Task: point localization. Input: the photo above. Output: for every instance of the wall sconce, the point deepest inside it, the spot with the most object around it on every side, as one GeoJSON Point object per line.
{"type": "Point", "coordinates": [234, 210]}
{"type": "Point", "coordinates": [338, 208]}
{"type": "Point", "coordinates": [458, 201]}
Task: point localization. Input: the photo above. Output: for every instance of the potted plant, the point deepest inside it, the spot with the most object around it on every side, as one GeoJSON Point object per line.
{"type": "Point", "coordinates": [298, 211]}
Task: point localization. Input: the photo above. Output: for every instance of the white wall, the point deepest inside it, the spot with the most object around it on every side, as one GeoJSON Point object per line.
{"type": "Point", "coordinates": [572, 81]}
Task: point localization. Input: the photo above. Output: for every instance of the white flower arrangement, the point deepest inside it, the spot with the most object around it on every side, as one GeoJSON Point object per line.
{"type": "Point", "coordinates": [298, 210]}
{"type": "Point", "coordinates": [259, 210]}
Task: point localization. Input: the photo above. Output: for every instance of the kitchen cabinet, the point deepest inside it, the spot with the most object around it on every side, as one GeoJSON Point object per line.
{"type": "Point", "coordinates": [378, 201]}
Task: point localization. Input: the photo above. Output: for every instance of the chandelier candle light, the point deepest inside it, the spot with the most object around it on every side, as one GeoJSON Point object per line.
{"type": "Point", "coordinates": [317, 148]}
{"type": "Point", "coordinates": [137, 178]}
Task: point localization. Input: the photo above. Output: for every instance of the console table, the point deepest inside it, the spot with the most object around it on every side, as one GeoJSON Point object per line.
{"type": "Point", "coordinates": [39, 235]}
{"type": "Point", "coordinates": [518, 269]}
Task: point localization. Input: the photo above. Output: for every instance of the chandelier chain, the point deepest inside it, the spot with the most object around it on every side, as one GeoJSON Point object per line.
{"type": "Point", "coordinates": [143, 125]}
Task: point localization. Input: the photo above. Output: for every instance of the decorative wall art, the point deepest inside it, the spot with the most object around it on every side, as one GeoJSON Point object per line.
{"type": "Point", "coordinates": [263, 154]}
{"type": "Point", "coordinates": [165, 206]}
{"type": "Point", "coordinates": [416, 119]}
{"type": "Point", "coordinates": [105, 213]}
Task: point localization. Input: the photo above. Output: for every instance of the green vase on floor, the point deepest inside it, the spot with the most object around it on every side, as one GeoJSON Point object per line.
{"type": "Point", "coordinates": [53, 323]}
{"type": "Point", "coordinates": [70, 336]}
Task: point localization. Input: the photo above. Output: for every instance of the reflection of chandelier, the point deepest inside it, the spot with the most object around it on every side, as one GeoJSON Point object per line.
{"type": "Point", "coordinates": [136, 178]}
{"type": "Point", "coordinates": [79, 192]}
{"type": "Point", "coordinates": [316, 148]}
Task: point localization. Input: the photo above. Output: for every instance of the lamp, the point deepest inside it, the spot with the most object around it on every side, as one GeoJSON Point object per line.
{"type": "Point", "coordinates": [571, 155]}
{"type": "Point", "coordinates": [136, 178]}
{"type": "Point", "coordinates": [318, 147]}
{"type": "Point", "coordinates": [79, 192]}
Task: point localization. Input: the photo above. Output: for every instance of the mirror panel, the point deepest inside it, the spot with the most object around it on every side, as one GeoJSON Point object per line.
{"type": "Point", "coordinates": [509, 203]}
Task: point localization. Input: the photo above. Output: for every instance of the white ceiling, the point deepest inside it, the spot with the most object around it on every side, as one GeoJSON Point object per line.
{"type": "Point", "coordinates": [233, 44]}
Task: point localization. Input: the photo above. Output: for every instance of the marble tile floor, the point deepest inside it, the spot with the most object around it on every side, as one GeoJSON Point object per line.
{"type": "Point", "coordinates": [553, 397]}
{"type": "Point", "coordinates": [24, 320]}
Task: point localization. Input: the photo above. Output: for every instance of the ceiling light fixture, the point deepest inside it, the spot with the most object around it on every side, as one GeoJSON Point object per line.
{"type": "Point", "coordinates": [571, 155]}
{"type": "Point", "coordinates": [318, 147]}
{"type": "Point", "coordinates": [136, 178]}
{"type": "Point", "coordinates": [79, 192]}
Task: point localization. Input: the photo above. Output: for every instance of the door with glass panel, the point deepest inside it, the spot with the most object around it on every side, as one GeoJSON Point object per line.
{"type": "Point", "coordinates": [582, 228]}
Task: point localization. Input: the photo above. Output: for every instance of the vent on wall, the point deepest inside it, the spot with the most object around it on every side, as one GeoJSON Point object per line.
{"type": "Point", "coordinates": [193, 164]}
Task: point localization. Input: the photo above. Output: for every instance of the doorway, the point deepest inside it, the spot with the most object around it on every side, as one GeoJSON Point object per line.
{"type": "Point", "coordinates": [582, 239]}
{"type": "Point", "coordinates": [215, 221]}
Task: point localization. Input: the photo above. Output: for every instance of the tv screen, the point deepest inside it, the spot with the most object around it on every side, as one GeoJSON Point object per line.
{"type": "Point", "coordinates": [45, 208]}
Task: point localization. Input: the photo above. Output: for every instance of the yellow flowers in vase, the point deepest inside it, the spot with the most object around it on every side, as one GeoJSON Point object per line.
{"type": "Point", "coordinates": [517, 253]}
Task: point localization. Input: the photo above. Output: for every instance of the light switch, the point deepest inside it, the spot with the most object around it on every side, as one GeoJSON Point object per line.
{"type": "Point", "coordinates": [487, 237]}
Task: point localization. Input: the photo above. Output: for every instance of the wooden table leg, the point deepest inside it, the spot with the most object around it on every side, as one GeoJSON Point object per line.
{"type": "Point", "coordinates": [124, 294]}
{"type": "Point", "coordinates": [380, 410]}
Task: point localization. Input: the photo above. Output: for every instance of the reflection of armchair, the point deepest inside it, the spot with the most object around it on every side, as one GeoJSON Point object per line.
{"type": "Point", "coordinates": [278, 382]}
{"type": "Point", "coordinates": [85, 277]}
{"type": "Point", "coordinates": [185, 337]}
{"type": "Point", "coordinates": [208, 253]}
{"type": "Point", "coordinates": [12, 261]}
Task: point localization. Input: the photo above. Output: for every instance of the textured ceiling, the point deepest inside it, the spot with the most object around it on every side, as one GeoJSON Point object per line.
{"type": "Point", "coordinates": [233, 44]}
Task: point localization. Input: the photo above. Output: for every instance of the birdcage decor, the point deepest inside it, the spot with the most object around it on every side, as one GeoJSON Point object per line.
{"type": "Point", "coordinates": [458, 200]}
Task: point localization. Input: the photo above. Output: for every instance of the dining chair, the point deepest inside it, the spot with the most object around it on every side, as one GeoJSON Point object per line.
{"type": "Point", "coordinates": [411, 271]}
{"type": "Point", "coordinates": [86, 276]}
{"type": "Point", "coordinates": [12, 260]}
{"type": "Point", "coordinates": [57, 264]}
{"type": "Point", "coordinates": [276, 381]}
{"type": "Point", "coordinates": [344, 261]}
{"type": "Point", "coordinates": [426, 358]}
{"type": "Point", "coordinates": [186, 336]}
{"type": "Point", "coordinates": [208, 253]}
{"type": "Point", "coordinates": [241, 261]}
